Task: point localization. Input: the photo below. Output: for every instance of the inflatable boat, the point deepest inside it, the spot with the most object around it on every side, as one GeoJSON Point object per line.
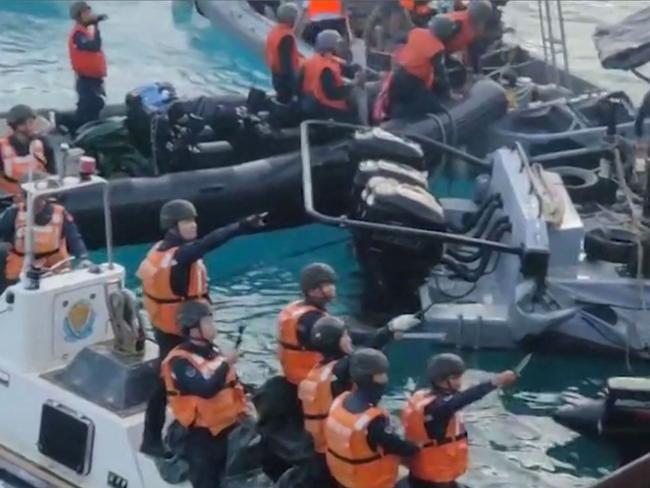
{"type": "Point", "coordinates": [226, 185]}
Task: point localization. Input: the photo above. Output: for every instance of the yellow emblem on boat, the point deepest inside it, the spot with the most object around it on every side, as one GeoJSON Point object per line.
{"type": "Point", "coordinates": [79, 321]}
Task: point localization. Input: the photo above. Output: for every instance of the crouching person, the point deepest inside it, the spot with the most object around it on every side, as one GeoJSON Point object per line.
{"type": "Point", "coordinates": [204, 394]}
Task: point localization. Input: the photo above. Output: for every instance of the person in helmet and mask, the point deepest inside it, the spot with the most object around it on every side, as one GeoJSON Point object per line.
{"type": "Point", "coordinates": [282, 54]}
{"type": "Point", "coordinates": [362, 449]}
{"type": "Point", "coordinates": [88, 61]}
{"type": "Point", "coordinates": [172, 273]}
{"type": "Point", "coordinates": [419, 78]}
{"type": "Point", "coordinates": [331, 377]}
{"type": "Point", "coordinates": [469, 29]}
{"type": "Point", "coordinates": [432, 419]}
{"type": "Point", "coordinates": [323, 91]}
{"type": "Point", "coordinates": [55, 235]}
{"type": "Point", "coordinates": [23, 151]}
{"type": "Point", "coordinates": [205, 395]}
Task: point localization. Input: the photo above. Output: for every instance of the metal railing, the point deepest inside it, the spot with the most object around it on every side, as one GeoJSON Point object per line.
{"type": "Point", "coordinates": [554, 46]}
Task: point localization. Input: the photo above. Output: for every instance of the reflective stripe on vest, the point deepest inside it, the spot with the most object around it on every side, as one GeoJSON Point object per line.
{"type": "Point", "coordinates": [324, 9]}
{"type": "Point", "coordinates": [15, 168]}
{"type": "Point", "coordinates": [160, 301]}
{"type": "Point", "coordinates": [272, 53]}
{"type": "Point", "coordinates": [350, 459]}
{"type": "Point", "coordinates": [416, 56]}
{"type": "Point", "coordinates": [466, 35]}
{"type": "Point", "coordinates": [315, 393]}
{"type": "Point", "coordinates": [439, 461]}
{"type": "Point", "coordinates": [313, 68]}
{"type": "Point", "coordinates": [216, 413]}
{"type": "Point", "coordinates": [295, 359]}
{"type": "Point", "coordinates": [86, 63]}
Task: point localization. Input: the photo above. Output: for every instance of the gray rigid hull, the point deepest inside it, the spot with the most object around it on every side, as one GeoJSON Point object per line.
{"type": "Point", "coordinates": [587, 305]}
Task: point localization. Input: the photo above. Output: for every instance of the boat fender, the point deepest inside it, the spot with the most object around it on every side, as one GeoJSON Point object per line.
{"type": "Point", "coordinates": [610, 244]}
{"type": "Point", "coordinates": [527, 322]}
{"type": "Point", "coordinates": [128, 328]}
{"type": "Point", "coordinates": [581, 184]}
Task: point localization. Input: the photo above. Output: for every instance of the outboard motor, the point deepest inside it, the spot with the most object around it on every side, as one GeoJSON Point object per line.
{"type": "Point", "coordinates": [379, 144]}
{"type": "Point", "coordinates": [622, 418]}
{"type": "Point", "coordinates": [143, 106]}
{"type": "Point", "coordinates": [395, 264]}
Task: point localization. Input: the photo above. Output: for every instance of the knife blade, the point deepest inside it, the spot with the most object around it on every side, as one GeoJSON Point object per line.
{"type": "Point", "coordinates": [522, 364]}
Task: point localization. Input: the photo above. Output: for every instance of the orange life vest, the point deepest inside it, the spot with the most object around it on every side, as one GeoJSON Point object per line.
{"type": "Point", "coordinates": [466, 35]}
{"type": "Point", "coordinates": [315, 393]}
{"type": "Point", "coordinates": [15, 167]}
{"type": "Point", "coordinates": [437, 462]}
{"type": "Point", "coordinates": [313, 68]}
{"type": "Point", "coordinates": [86, 63]}
{"type": "Point", "coordinates": [415, 57]}
{"type": "Point", "coordinates": [216, 413]}
{"type": "Point", "coordinates": [324, 9]}
{"type": "Point", "coordinates": [49, 246]}
{"type": "Point", "coordinates": [275, 37]}
{"type": "Point", "coordinates": [351, 460]}
{"type": "Point", "coordinates": [296, 361]}
{"type": "Point", "coordinates": [159, 299]}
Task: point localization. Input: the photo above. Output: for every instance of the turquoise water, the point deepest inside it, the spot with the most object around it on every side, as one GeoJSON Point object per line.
{"type": "Point", "coordinates": [515, 443]}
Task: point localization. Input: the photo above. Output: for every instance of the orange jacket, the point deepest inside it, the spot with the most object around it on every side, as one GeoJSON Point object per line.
{"type": "Point", "coordinates": [159, 299]}
{"type": "Point", "coordinates": [296, 361]}
{"type": "Point", "coordinates": [437, 462]}
{"type": "Point", "coordinates": [351, 460]}
{"type": "Point", "coordinates": [315, 393]}
{"type": "Point", "coordinates": [86, 63]}
{"type": "Point", "coordinates": [216, 413]}
{"type": "Point", "coordinates": [275, 37]}
{"type": "Point", "coordinates": [319, 9]}
{"type": "Point", "coordinates": [15, 167]}
{"type": "Point", "coordinates": [313, 68]}
{"type": "Point", "coordinates": [49, 245]}
{"type": "Point", "coordinates": [466, 35]}
{"type": "Point", "coordinates": [415, 57]}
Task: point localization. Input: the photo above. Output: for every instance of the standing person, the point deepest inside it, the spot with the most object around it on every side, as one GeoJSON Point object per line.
{"type": "Point", "coordinates": [88, 61]}
{"type": "Point", "coordinates": [362, 449]}
{"type": "Point", "coordinates": [172, 273]}
{"type": "Point", "coordinates": [432, 419]}
{"type": "Point", "coordinates": [204, 393]}
{"type": "Point", "coordinates": [469, 28]}
{"type": "Point", "coordinates": [419, 77]}
{"type": "Point", "coordinates": [282, 54]}
{"type": "Point", "coordinates": [23, 151]}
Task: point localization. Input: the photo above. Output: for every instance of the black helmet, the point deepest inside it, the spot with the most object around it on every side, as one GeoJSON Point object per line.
{"type": "Point", "coordinates": [328, 41]}
{"type": "Point", "coordinates": [366, 362]}
{"type": "Point", "coordinates": [174, 211]}
{"type": "Point", "coordinates": [190, 313]}
{"type": "Point", "coordinates": [326, 334]}
{"type": "Point", "coordinates": [479, 11]}
{"type": "Point", "coordinates": [443, 366]}
{"type": "Point", "coordinates": [19, 114]}
{"type": "Point", "coordinates": [442, 27]}
{"type": "Point", "coordinates": [315, 274]}
{"type": "Point", "coordinates": [76, 8]}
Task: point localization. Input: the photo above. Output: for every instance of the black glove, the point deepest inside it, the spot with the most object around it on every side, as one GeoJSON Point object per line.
{"type": "Point", "coordinates": [101, 18]}
{"type": "Point", "coordinates": [253, 222]}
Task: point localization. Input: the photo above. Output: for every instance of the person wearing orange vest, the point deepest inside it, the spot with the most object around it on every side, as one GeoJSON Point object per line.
{"type": "Point", "coordinates": [55, 236]}
{"type": "Point", "coordinates": [469, 27]}
{"type": "Point", "coordinates": [172, 273]}
{"type": "Point", "coordinates": [282, 54]}
{"type": "Point", "coordinates": [205, 395]}
{"type": "Point", "coordinates": [323, 91]}
{"type": "Point", "coordinates": [419, 77]}
{"type": "Point", "coordinates": [331, 378]}
{"type": "Point", "coordinates": [88, 61]}
{"type": "Point", "coordinates": [432, 419]}
{"type": "Point", "coordinates": [362, 449]}
{"type": "Point", "coordinates": [23, 151]}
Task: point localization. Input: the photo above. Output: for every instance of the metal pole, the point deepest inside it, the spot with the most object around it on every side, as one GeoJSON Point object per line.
{"type": "Point", "coordinates": [29, 239]}
{"type": "Point", "coordinates": [565, 49]}
{"type": "Point", "coordinates": [551, 40]}
{"type": "Point", "coordinates": [108, 225]}
{"type": "Point", "coordinates": [542, 29]}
